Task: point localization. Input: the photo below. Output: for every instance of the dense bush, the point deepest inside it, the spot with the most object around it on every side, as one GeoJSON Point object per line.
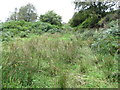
{"type": "Point", "coordinates": [67, 27]}
{"type": "Point", "coordinates": [54, 30]}
{"type": "Point", "coordinates": [90, 22]}
{"type": "Point", "coordinates": [51, 17]}
{"type": "Point", "coordinates": [90, 18]}
{"type": "Point", "coordinates": [108, 18]}
{"type": "Point", "coordinates": [107, 40]}
{"type": "Point", "coordinates": [43, 26]}
{"type": "Point", "coordinates": [13, 24]}
{"type": "Point", "coordinates": [78, 18]}
{"type": "Point", "coordinates": [25, 29]}
{"type": "Point", "coordinates": [83, 19]}
{"type": "Point", "coordinates": [6, 36]}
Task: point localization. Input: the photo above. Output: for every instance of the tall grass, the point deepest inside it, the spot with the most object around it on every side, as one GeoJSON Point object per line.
{"type": "Point", "coordinates": [56, 61]}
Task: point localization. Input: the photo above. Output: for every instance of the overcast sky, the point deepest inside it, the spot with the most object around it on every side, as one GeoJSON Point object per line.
{"type": "Point", "coordinates": [64, 8]}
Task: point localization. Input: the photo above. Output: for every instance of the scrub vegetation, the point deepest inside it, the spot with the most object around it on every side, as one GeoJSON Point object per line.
{"type": "Point", "coordinates": [46, 53]}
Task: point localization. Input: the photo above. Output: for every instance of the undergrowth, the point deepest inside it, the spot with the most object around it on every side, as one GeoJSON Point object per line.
{"type": "Point", "coordinates": [58, 61]}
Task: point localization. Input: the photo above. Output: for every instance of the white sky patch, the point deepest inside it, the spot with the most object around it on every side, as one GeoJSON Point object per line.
{"type": "Point", "coordinates": [64, 8]}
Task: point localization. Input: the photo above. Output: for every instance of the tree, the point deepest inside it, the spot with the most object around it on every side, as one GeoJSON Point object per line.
{"type": "Point", "coordinates": [78, 18]}
{"type": "Point", "coordinates": [97, 6]}
{"type": "Point", "coordinates": [87, 9]}
{"type": "Point", "coordinates": [51, 17]}
{"type": "Point", "coordinates": [27, 13]}
{"type": "Point", "coordinates": [14, 15]}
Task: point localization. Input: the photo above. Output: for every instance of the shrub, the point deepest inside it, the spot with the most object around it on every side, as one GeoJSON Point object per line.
{"type": "Point", "coordinates": [78, 18]}
{"type": "Point", "coordinates": [51, 17]}
{"type": "Point", "coordinates": [13, 24]}
{"type": "Point", "coordinates": [23, 34]}
{"type": "Point", "coordinates": [43, 26]}
{"type": "Point", "coordinates": [107, 40]}
{"type": "Point", "coordinates": [90, 22]}
{"type": "Point", "coordinates": [108, 18]}
{"type": "Point", "coordinates": [23, 29]}
{"type": "Point", "coordinates": [54, 30]}
{"type": "Point", "coordinates": [6, 36]}
{"type": "Point", "coordinates": [67, 27]}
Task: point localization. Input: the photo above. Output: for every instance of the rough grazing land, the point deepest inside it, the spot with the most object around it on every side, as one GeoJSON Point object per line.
{"type": "Point", "coordinates": [57, 61]}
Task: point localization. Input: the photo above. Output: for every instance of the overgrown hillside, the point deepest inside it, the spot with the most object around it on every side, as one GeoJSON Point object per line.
{"type": "Point", "coordinates": [83, 53]}
{"type": "Point", "coordinates": [62, 60]}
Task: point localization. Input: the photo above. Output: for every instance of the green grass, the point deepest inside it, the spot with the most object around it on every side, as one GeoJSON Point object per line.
{"type": "Point", "coordinates": [56, 61]}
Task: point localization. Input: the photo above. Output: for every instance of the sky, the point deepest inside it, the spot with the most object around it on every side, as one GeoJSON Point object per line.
{"type": "Point", "coordinates": [64, 8]}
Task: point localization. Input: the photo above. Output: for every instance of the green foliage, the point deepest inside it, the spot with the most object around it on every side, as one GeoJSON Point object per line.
{"type": "Point", "coordinates": [67, 27]}
{"type": "Point", "coordinates": [78, 18]}
{"type": "Point", "coordinates": [107, 40]}
{"type": "Point", "coordinates": [23, 34]}
{"type": "Point", "coordinates": [6, 36]}
{"type": "Point", "coordinates": [26, 13]}
{"type": "Point", "coordinates": [108, 18]}
{"type": "Point", "coordinates": [14, 28]}
{"type": "Point", "coordinates": [51, 17]}
{"type": "Point", "coordinates": [99, 7]}
{"type": "Point", "coordinates": [54, 30]}
{"type": "Point", "coordinates": [61, 61]}
{"type": "Point", "coordinates": [13, 24]}
{"type": "Point", "coordinates": [83, 19]}
{"type": "Point", "coordinates": [25, 29]}
{"type": "Point", "coordinates": [90, 22]}
{"type": "Point", "coordinates": [82, 59]}
{"type": "Point", "coordinates": [42, 26]}
{"type": "Point", "coordinates": [93, 14]}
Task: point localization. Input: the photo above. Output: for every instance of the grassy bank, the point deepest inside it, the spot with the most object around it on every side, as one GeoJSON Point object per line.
{"type": "Point", "coordinates": [57, 61]}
